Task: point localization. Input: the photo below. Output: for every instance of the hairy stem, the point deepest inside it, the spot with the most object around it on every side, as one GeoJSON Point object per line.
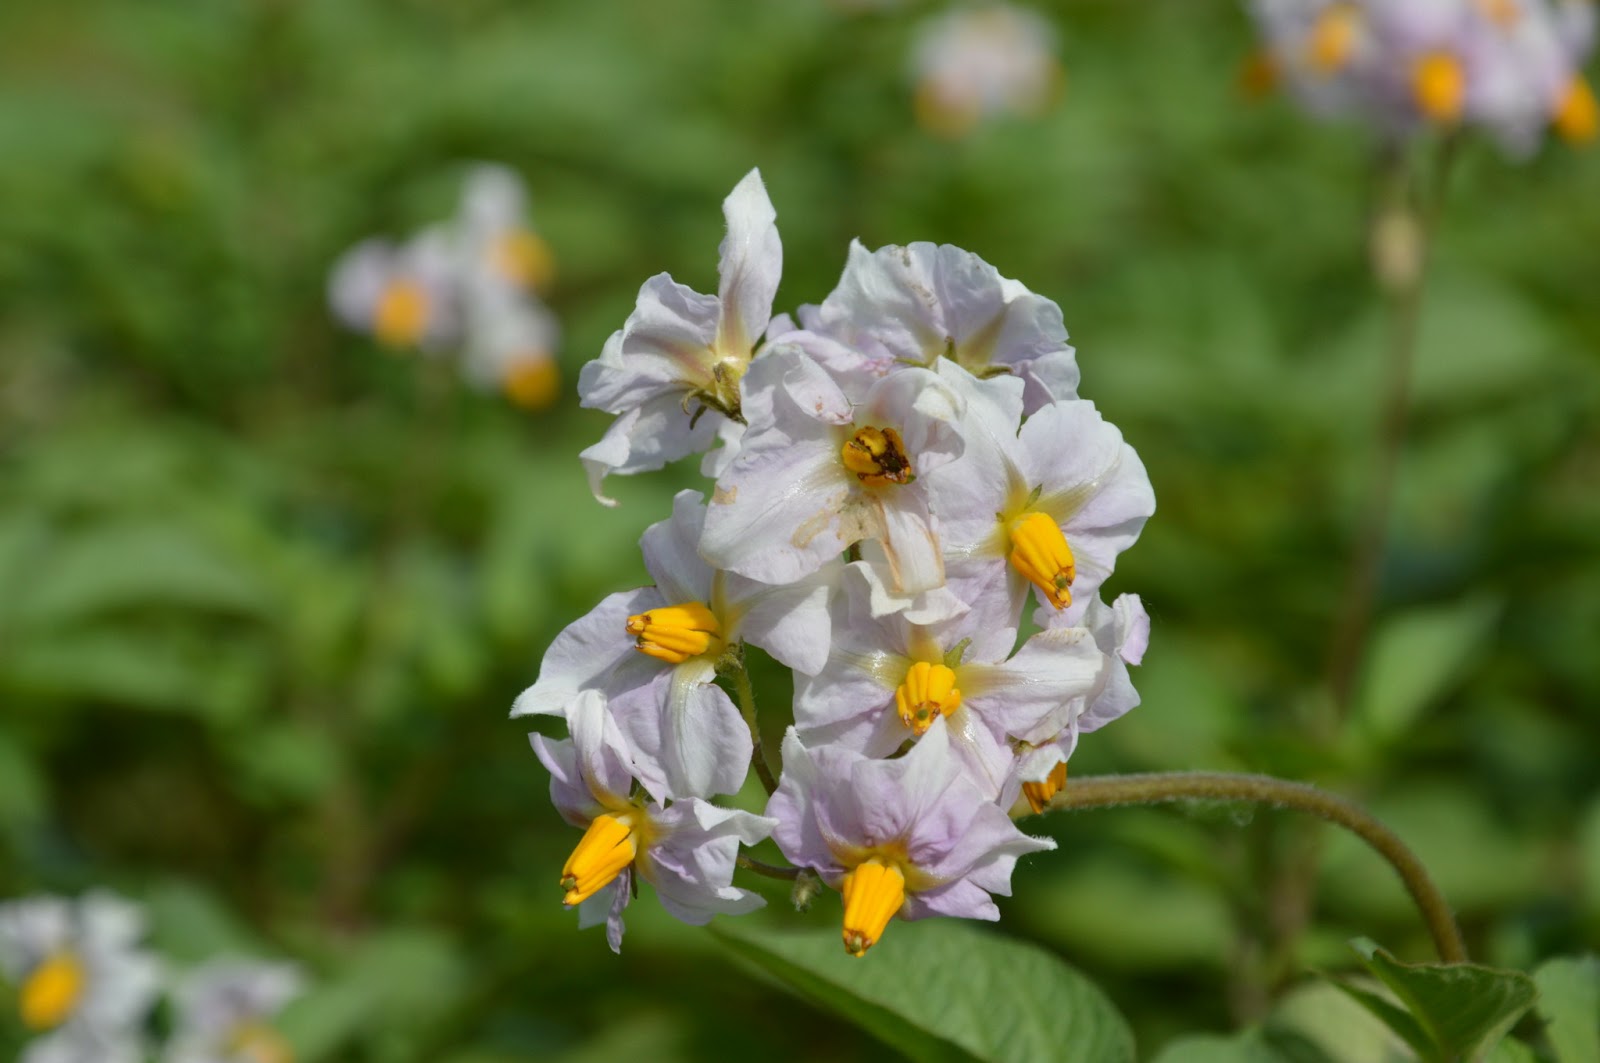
{"type": "Point", "coordinates": [745, 692]}
{"type": "Point", "coordinates": [788, 874]}
{"type": "Point", "coordinates": [1106, 790]}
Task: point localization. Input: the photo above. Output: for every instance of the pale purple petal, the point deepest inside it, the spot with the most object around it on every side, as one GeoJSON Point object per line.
{"type": "Point", "coordinates": [645, 438]}
{"type": "Point", "coordinates": [594, 652]}
{"type": "Point", "coordinates": [751, 264]}
{"type": "Point", "coordinates": [671, 551]}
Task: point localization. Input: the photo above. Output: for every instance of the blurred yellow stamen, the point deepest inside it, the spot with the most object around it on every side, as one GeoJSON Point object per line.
{"type": "Point", "coordinates": [51, 992]}
{"type": "Point", "coordinates": [1503, 13]}
{"type": "Point", "coordinates": [929, 691]}
{"type": "Point", "coordinates": [1439, 85]}
{"type": "Point", "coordinates": [1040, 552]}
{"type": "Point", "coordinates": [1259, 74]}
{"type": "Point", "coordinates": [605, 849]}
{"type": "Point", "coordinates": [252, 1042]}
{"type": "Point", "coordinates": [942, 117]}
{"type": "Point", "coordinates": [1040, 793]}
{"type": "Point", "coordinates": [533, 382]}
{"type": "Point", "coordinates": [1332, 40]}
{"type": "Point", "coordinates": [401, 314]}
{"type": "Point", "coordinates": [523, 259]}
{"type": "Point", "coordinates": [873, 892]}
{"type": "Point", "coordinates": [674, 633]}
{"type": "Point", "coordinates": [1577, 116]}
{"type": "Point", "coordinates": [877, 457]}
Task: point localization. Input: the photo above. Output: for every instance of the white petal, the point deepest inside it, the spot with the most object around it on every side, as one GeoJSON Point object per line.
{"type": "Point", "coordinates": [751, 263]}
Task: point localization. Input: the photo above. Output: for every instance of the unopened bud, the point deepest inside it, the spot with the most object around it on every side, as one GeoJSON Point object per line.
{"type": "Point", "coordinates": [1397, 249]}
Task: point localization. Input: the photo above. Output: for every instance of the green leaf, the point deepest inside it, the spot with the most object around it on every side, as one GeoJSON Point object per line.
{"type": "Point", "coordinates": [1250, 1046]}
{"type": "Point", "coordinates": [945, 990]}
{"type": "Point", "coordinates": [1569, 1003]}
{"type": "Point", "coordinates": [1450, 1011]}
{"type": "Point", "coordinates": [1415, 659]}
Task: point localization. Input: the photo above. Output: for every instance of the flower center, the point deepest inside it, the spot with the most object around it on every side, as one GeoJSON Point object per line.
{"type": "Point", "coordinates": [606, 848]}
{"type": "Point", "coordinates": [533, 382]}
{"type": "Point", "coordinates": [1039, 551]}
{"type": "Point", "coordinates": [1040, 793]}
{"type": "Point", "coordinates": [877, 457]}
{"type": "Point", "coordinates": [1439, 85]}
{"type": "Point", "coordinates": [873, 892]}
{"type": "Point", "coordinates": [1577, 116]}
{"type": "Point", "coordinates": [674, 633]}
{"type": "Point", "coordinates": [523, 259]}
{"type": "Point", "coordinates": [1332, 40]}
{"type": "Point", "coordinates": [252, 1042]}
{"type": "Point", "coordinates": [401, 314]}
{"type": "Point", "coordinates": [929, 691]}
{"type": "Point", "coordinates": [52, 990]}
{"type": "Point", "coordinates": [1502, 13]}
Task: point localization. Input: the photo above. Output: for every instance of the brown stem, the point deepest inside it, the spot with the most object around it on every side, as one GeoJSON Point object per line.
{"type": "Point", "coordinates": [1107, 790]}
{"type": "Point", "coordinates": [749, 863]}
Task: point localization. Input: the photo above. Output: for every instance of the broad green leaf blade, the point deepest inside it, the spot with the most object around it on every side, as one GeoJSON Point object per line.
{"type": "Point", "coordinates": [944, 989]}
{"type": "Point", "coordinates": [1396, 1018]}
{"type": "Point", "coordinates": [1251, 1046]}
{"type": "Point", "coordinates": [1464, 1007]}
{"type": "Point", "coordinates": [1415, 659]}
{"type": "Point", "coordinates": [1569, 1003]}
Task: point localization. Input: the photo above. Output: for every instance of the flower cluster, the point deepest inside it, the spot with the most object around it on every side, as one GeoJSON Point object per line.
{"type": "Point", "coordinates": [86, 988]}
{"type": "Point", "coordinates": [898, 473]}
{"type": "Point", "coordinates": [1508, 66]}
{"type": "Point", "coordinates": [471, 285]}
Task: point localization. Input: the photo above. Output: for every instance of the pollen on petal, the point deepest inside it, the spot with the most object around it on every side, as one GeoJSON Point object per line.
{"type": "Point", "coordinates": [1040, 793]}
{"type": "Point", "coordinates": [873, 892]}
{"type": "Point", "coordinates": [1332, 40]}
{"type": "Point", "coordinates": [1039, 551]}
{"type": "Point", "coordinates": [928, 692]}
{"type": "Point", "coordinates": [1577, 116]}
{"type": "Point", "coordinates": [51, 991]}
{"type": "Point", "coordinates": [877, 456]}
{"type": "Point", "coordinates": [401, 314]}
{"type": "Point", "coordinates": [1439, 85]}
{"type": "Point", "coordinates": [606, 848]}
{"type": "Point", "coordinates": [675, 633]}
{"type": "Point", "coordinates": [533, 382]}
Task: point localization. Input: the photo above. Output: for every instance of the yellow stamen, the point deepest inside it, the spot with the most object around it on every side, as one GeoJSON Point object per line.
{"type": "Point", "coordinates": [1577, 116]}
{"type": "Point", "coordinates": [606, 848]}
{"type": "Point", "coordinates": [1332, 40]}
{"type": "Point", "coordinates": [533, 382]}
{"type": "Point", "coordinates": [877, 457]}
{"type": "Point", "coordinates": [929, 691]}
{"type": "Point", "coordinates": [674, 633]}
{"type": "Point", "coordinates": [1439, 85]}
{"type": "Point", "coordinates": [873, 892]}
{"type": "Point", "coordinates": [1040, 552]}
{"type": "Point", "coordinates": [1502, 13]}
{"type": "Point", "coordinates": [52, 990]}
{"type": "Point", "coordinates": [523, 259]}
{"type": "Point", "coordinates": [1040, 793]}
{"type": "Point", "coordinates": [401, 314]}
{"type": "Point", "coordinates": [252, 1042]}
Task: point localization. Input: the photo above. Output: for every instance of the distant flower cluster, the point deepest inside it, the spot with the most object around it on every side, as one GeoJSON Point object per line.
{"type": "Point", "coordinates": [85, 989]}
{"type": "Point", "coordinates": [470, 286]}
{"type": "Point", "coordinates": [897, 473]}
{"type": "Point", "coordinates": [1510, 67]}
{"type": "Point", "coordinates": [975, 63]}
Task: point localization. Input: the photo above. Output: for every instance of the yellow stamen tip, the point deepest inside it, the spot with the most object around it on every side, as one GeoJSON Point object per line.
{"type": "Point", "coordinates": [1439, 84]}
{"type": "Point", "coordinates": [252, 1042]}
{"type": "Point", "coordinates": [51, 991]}
{"type": "Point", "coordinates": [873, 892]}
{"type": "Point", "coordinates": [1040, 793]}
{"type": "Point", "coordinates": [928, 691]}
{"type": "Point", "coordinates": [877, 456]}
{"type": "Point", "coordinates": [1577, 116]}
{"type": "Point", "coordinates": [1333, 37]}
{"type": "Point", "coordinates": [604, 852]}
{"type": "Point", "coordinates": [1039, 551]}
{"type": "Point", "coordinates": [533, 382]}
{"type": "Point", "coordinates": [523, 259]}
{"type": "Point", "coordinates": [675, 633]}
{"type": "Point", "coordinates": [401, 315]}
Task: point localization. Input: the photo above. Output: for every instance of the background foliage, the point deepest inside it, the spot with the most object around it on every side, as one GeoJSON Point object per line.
{"type": "Point", "coordinates": [266, 593]}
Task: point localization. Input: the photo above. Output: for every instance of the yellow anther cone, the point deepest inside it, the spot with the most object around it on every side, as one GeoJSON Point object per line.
{"type": "Point", "coordinates": [877, 456]}
{"type": "Point", "coordinates": [1039, 551]}
{"type": "Point", "coordinates": [533, 383]}
{"type": "Point", "coordinates": [1577, 117]}
{"type": "Point", "coordinates": [675, 633]}
{"type": "Point", "coordinates": [928, 692]}
{"type": "Point", "coordinates": [1040, 793]}
{"type": "Point", "coordinates": [524, 260]}
{"type": "Point", "coordinates": [1332, 40]}
{"type": "Point", "coordinates": [605, 849]}
{"type": "Point", "coordinates": [51, 992]}
{"type": "Point", "coordinates": [873, 892]}
{"type": "Point", "coordinates": [401, 315]}
{"type": "Point", "coordinates": [1439, 85]}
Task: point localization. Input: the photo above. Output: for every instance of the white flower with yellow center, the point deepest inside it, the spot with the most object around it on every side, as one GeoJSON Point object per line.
{"type": "Point", "coordinates": [498, 247]}
{"type": "Point", "coordinates": [403, 296]}
{"type": "Point", "coordinates": [672, 373]}
{"type": "Point", "coordinates": [225, 1011]}
{"type": "Point", "coordinates": [511, 348]}
{"type": "Point", "coordinates": [82, 984]}
{"type": "Point", "coordinates": [686, 849]}
{"type": "Point", "coordinates": [982, 62]}
{"type": "Point", "coordinates": [654, 653]}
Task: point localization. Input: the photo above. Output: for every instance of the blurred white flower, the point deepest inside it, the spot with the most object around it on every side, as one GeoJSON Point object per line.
{"type": "Point", "coordinates": [402, 295]}
{"type": "Point", "coordinates": [977, 63]}
{"type": "Point", "coordinates": [498, 247]}
{"type": "Point", "coordinates": [225, 1009]}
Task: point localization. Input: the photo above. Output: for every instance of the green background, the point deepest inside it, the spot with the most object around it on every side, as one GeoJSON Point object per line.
{"type": "Point", "coordinates": [267, 592]}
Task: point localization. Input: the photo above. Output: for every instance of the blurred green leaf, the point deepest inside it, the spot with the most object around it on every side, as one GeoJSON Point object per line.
{"type": "Point", "coordinates": [1569, 1004]}
{"type": "Point", "coordinates": [22, 786]}
{"type": "Point", "coordinates": [1342, 1028]}
{"type": "Point", "coordinates": [1251, 1046]}
{"type": "Point", "coordinates": [1415, 657]}
{"type": "Point", "coordinates": [976, 995]}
